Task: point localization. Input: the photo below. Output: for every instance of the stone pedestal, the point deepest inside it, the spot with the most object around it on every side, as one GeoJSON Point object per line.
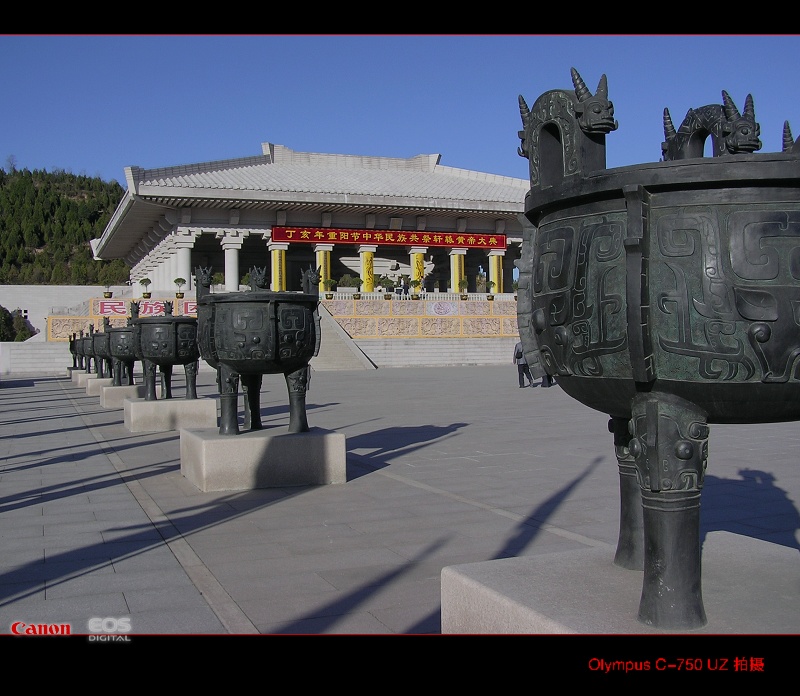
{"type": "Point", "coordinates": [262, 459]}
{"type": "Point", "coordinates": [81, 378]}
{"type": "Point", "coordinates": [169, 414]}
{"type": "Point", "coordinates": [94, 387]}
{"type": "Point", "coordinates": [114, 397]}
{"type": "Point", "coordinates": [748, 585]}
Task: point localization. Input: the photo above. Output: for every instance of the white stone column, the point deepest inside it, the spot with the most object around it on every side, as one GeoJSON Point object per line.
{"type": "Point", "coordinates": [183, 265]}
{"type": "Point", "coordinates": [231, 243]}
{"type": "Point", "coordinates": [183, 242]}
{"type": "Point", "coordinates": [162, 283]}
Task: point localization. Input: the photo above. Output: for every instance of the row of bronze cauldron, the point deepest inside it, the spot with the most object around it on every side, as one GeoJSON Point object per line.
{"type": "Point", "coordinates": [242, 335]}
{"type": "Point", "coordinates": [90, 352]}
{"type": "Point", "coordinates": [157, 342]}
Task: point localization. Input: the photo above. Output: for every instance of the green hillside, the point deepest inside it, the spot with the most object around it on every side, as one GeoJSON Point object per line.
{"type": "Point", "coordinates": [46, 222]}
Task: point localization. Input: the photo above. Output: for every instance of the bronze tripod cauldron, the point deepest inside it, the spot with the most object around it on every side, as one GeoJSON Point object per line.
{"type": "Point", "coordinates": [122, 348]}
{"type": "Point", "coordinates": [101, 348]}
{"type": "Point", "coordinates": [664, 295]}
{"type": "Point", "coordinates": [163, 342]}
{"type": "Point", "coordinates": [245, 335]}
{"type": "Point", "coordinates": [84, 346]}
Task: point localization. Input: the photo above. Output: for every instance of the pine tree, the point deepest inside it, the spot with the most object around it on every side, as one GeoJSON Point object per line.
{"type": "Point", "coordinates": [46, 223]}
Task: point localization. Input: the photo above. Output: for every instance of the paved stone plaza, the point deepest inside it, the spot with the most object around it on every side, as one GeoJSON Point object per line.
{"type": "Point", "coordinates": [445, 466]}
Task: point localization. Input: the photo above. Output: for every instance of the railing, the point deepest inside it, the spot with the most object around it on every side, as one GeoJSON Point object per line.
{"type": "Point", "coordinates": [443, 296]}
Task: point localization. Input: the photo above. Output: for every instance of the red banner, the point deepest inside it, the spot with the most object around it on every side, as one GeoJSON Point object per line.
{"type": "Point", "coordinates": [333, 235]}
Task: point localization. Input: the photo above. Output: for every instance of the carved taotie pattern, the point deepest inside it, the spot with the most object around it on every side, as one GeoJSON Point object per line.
{"type": "Point", "coordinates": [578, 306]}
{"type": "Point", "coordinates": [669, 443]}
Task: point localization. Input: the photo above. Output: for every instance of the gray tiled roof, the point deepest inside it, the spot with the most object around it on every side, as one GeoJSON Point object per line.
{"type": "Point", "coordinates": [315, 173]}
{"type": "Point", "coordinates": [281, 178]}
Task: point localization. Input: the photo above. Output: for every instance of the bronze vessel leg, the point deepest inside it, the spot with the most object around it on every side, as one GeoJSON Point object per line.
{"type": "Point", "coordinates": [228, 381]}
{"type": "Point", "coordinates": [670, 446]}
{"type": "Point", "coordinates": [630, 545]}
{"type": "Point", "coordinates": [251, 386]}
{"type": "Point", "coordinates": [297, 384]}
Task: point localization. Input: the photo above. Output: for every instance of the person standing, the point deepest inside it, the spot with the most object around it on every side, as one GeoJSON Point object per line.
{"type": "Point", "coordinates": [523, 371]}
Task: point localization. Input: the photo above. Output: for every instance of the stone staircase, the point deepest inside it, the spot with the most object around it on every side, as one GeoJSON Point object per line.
{"type": "Point", "coordinates": [337, 350]}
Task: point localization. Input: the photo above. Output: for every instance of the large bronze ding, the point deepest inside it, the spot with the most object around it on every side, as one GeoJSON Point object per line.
{"type": "Point", "coordinates": [245, 335]}
{"type": "Point", "coordinates": [122, 345]}
{"type": "Point", "coordinates": [102, 350]}
{"type": "Point", "coordinates": [85, 348]}
{"type": "Point", "coordinates": [76, 348]}
{"type": "Point", "coordinates": [665, 295]}
{"type": "Point", "coordinates": [74, 351]}
{"type": "Point", "coordinates": [163, 342]}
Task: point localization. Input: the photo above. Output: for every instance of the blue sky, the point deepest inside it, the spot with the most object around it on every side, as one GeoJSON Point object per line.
{"type": "Point", "coordinates": [96, 104]}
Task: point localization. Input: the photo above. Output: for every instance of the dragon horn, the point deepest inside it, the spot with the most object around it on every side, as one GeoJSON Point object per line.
{"type": "Point", "coordinates": [669, 128]}
{"type": "Point", "coordinates": [749, 109]}
{"type": "Point", "coordinates": [788, 140]}
{"type": "Point", "coordinates": [602, 87]}
{"type": "Point", "coordinates": [581, 91]}
{"type": "Point", "coordinates": [524, 111]}
{"type": "Point", "coordinates": [731, 112]}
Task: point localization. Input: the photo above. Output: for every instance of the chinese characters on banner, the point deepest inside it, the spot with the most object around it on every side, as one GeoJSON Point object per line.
{"type": "Point", "coordinates": [113, 307]}
{"type": "Point", "coordinates": [329, 235]}
{"type": "Point", "coordinates": [147, 308]}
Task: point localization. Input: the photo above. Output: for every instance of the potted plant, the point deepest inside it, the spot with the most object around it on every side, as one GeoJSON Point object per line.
{"type": "Point", "coordinates": [489, 285]}
{"type": "Point", "coordinates": [515, 286]}
{"type": "Point", "coordinates": [179, 283]}
{"type": "Point", "coordinates": [462, 286]}
{"type": "Point", "coordinates": [356, 281]}
{"type": "Point", "coordinates": [107, 291]}
{"type": "Point", "coordinates": [415, 284]}
{"type": "Point", "coordinates": [388, 287]}
{"type": "Point", "coordinates": [145, 283]}
{"type": "Point", "coordinates": [329, 284]}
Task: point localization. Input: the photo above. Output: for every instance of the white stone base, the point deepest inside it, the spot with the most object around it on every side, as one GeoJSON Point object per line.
{"type": "Point", "coordinates": [262, 459]}
{"type": "Point", "coordinates": [81, 377]}
{"type": "Point", "coordinates": [94, 387]}
{"type": "Point", "coordinates": [170, 414]}
{"type": "Point", "coordinates": [114, 397]}
{"type": "Point", "coordinates": [748, 585]}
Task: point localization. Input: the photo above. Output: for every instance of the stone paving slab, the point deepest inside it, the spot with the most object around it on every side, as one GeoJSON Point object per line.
{"type": "Point", "coordinates": [444, 467]}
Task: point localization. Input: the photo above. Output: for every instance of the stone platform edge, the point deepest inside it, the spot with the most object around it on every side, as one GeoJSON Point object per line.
{"type": "Point", "coordinates": [262, 459]}
{"type": "Point", "coordinates": [748, 584]}
{"type": "Point", "coordinates": [170, 414]}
